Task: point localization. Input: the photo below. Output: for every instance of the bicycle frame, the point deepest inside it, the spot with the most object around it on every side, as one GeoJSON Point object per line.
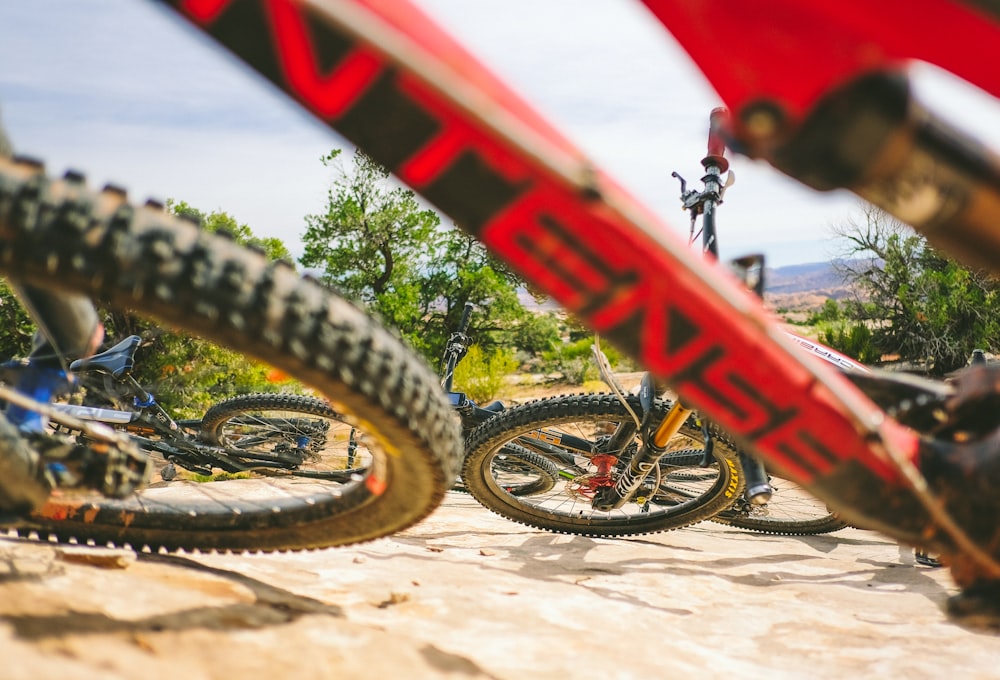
{"type": "Point", "coordinates": [471, 413]}
{"type": "Point", "coordinates": [387, 78]}
{"type": "Point", "coordinates": [176, 440]}
{"type": "Point", "coordinates": [115, 365]}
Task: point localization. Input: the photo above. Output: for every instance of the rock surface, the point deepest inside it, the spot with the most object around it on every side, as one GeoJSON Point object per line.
{"type": "Point", "coordinates": [467, 594]}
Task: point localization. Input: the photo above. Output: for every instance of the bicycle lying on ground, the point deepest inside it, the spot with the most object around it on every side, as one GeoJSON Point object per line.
{"type": "Point", "coordinates": [580, 444]}
{"type": "Point", "coordinates": [769, 503]}
{"type": "Point", "coordinates": [603, 464]}
{"type": "Point", "coordinates": [293, 436]}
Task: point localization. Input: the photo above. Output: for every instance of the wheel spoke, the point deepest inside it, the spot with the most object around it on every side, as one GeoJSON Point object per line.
{"type": "Point", "coordinates": [588, 439]}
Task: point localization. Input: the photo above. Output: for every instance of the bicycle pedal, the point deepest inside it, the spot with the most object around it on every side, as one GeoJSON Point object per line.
{"type": "Point", "coordinates": [921, 556]}
{"type": "Point", "coordinates": [169, 472]}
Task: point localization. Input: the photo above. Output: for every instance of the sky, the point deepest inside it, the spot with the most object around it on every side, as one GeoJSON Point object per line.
{"type": "Point", "coordinates": [123, 91]}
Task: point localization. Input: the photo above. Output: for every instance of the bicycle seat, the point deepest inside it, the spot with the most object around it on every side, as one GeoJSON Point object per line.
{"type": "Point", "coordinates": [115, 361]}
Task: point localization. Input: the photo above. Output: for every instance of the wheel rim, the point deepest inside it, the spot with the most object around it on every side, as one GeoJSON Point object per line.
{"type": "Point", "coordinates": [337, 461]}
{"type": "Point", "coordinates": [680, 486]}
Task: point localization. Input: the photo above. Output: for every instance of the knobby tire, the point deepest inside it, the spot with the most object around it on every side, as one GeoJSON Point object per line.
{"type": "Point", "coordinates": [57, 233]}
{"type": "Point", "coordinates": [791, 511]}
{"type": "Point", "coordinates": [687, 492]}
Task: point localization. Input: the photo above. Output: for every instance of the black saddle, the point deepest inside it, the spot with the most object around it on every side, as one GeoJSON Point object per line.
{"type": "Point", "coordinates": [116, 362]}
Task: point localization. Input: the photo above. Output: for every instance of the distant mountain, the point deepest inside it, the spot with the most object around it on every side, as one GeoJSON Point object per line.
{"type": "Point", "coordinates": [803, 287]}
{"type": "Point", "coordinates": [793, 287]}
{"type": "Point", "coordinates": [814, 277]}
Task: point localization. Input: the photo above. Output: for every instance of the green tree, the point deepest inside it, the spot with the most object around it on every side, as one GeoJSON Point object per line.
{"type": "Point", "coordinates": [916, 302]}
{"type": "Point", "coordinates": [538, 333]}
{"type": "Point", "coordinates": [217, 221]}
{"type": "Point", "coordinates": [377, 244]}
{"type": "Point", "coordinates": [373, 239]}
{"type": "Point", "coordinates": [16, 327]}
{"type": "Point", "coordinates": [465, 272]}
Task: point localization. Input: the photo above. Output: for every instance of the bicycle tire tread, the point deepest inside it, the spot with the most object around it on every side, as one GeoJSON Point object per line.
{"type": "Point", "coordinates": [58, 233]}
{"type": "Point", "coordinates": [493, 433]}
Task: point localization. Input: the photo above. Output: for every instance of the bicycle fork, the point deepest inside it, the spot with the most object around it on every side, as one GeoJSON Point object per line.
{"type": "Point", "coordinates": [758, 486]}
{"type": "Point", "coordinates": [645, 460]}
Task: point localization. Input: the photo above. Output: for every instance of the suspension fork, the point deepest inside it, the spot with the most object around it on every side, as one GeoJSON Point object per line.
{"type": "Point", "coordinates": [654, 446]}
{"type": "Point", "coordinates": [758, 486]}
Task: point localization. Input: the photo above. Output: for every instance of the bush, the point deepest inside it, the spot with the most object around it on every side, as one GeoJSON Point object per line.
{"type": "Point", "coordinates": [576, 360]}
{"type": "Point", "coordinates": [537, 333]}
{"type": "Point", "coordinates": [831, 313]}
{"type": "Point", "coordinates": [481, 376]}
{"type": "Point", "coordinates": [853, 339]}
{"type": "Point", "coordinates": [188, 375]}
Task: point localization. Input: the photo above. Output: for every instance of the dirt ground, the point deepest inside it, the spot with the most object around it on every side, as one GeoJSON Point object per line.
{"type": "Point", "coordinates": [467, 594]}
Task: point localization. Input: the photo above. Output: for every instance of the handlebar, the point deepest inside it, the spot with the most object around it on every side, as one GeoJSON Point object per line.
{"type": "Point", "coordinates": [703, 202]}
{"type": "Point", "coordinates": [463, 325]}
{"type": "Point", "coordinates": [717, 121]}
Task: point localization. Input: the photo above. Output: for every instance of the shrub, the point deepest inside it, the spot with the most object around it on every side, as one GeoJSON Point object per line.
{"type": "Point", "coordinates": [853, 339]}
{"type": "Point", "coordinates": [481, 376]}
{"type": "Point", "coordinates": [576, 360]}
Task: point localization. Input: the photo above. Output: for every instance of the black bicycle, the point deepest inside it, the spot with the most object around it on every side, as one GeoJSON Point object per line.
{"type": "Point", "coordinates": [769, 503]}
{"type": "Point", "coordinates": [551, 463]}
{"type": "Point", "coordinates": [261, 433]}
{"type": "Point", "coordinates": [471, 414]}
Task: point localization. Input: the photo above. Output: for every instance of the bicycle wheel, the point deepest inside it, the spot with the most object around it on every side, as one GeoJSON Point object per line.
{"type": "Point", "coordinates": [791, 511]}
{"type": "Point", "coordinates": [573, 434]}
{"type": "Point", "coordinates": [265, 427]}
{"type": "Point", "coordinates": [56, 233]}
